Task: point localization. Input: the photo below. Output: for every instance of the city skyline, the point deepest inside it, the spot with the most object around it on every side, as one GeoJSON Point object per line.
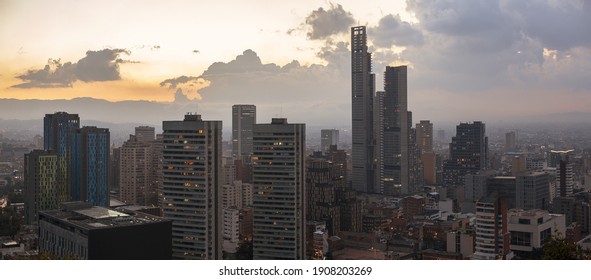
{"type": "Point", "coordinates": [293, 62]}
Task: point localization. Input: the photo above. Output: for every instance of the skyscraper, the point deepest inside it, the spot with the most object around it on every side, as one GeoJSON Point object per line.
{"type": "Point", "coordinates": [279, 190]}
{"type": "Point", "coordinates": [89, 165]}
{"type": "Point", "coordinates": [564, 171]}
{"type": "Point", "coordinates": [425, 136]}
{"type": "Point", "coordinates": [324, 180]}
{"type": "Point", "coordinates": [191, 191]}
{"type": "Point", "coordinates": [136, 167]}
{"type": "Point", "coordinates": [415, 172]}
{"type": "Point", "coordinates": [328, 137]}
{"type": "Point", "coordinates": [243, 118]}
{"type": "Point", "coordinates": [491, 229]}
{"type": "Point", "coordinates": [392, 130]}
{"type": "Point", "coordinates": [468, 153]}
{"type": "Point", "coordinates": [363, 88]}
{"type": "Point", "coordinates": [40, 186]}
{"type": "Point", "coordinates": [56, 135]}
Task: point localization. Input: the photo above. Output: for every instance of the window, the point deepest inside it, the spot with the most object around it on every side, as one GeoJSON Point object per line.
{"type": "Point", "coordinates": [521, 238]}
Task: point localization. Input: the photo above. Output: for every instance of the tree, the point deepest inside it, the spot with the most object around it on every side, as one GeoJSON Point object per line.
{"type": "Point", "coordinates": [557, 248]}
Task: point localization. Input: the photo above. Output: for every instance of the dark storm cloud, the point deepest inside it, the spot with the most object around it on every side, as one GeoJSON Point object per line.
{"type": "Point", "coordinates": [96, 66]}
{"type": "Point", "coordinates": [473, 45]}
{"type": "Point", "coordinates": [559, 25]}
{"type": "Point", "coordinates": [471, 25]}
{"type": "Point", "coordinates": [391, 30]}
{"type": "Point", "coordinates": [324, 23]}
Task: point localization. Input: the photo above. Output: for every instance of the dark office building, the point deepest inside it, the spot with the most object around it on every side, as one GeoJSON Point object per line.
{"type": "Point", "coordinates": [468, 153]}
{"type": "Point", "coordinates": [82, 231]}
{"type": "Point", "coordinates": [323, 179]}
{"type": "Point", "coordinates": [392, 133]}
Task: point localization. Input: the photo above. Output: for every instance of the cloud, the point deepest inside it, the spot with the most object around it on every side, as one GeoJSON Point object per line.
{"type": "Point", "coordinates": [292, 88]}
{"type": "Point", "coordinates": [175, 82]}
{"type": "Point", "coordinates": [196, 51]}
{"type": "Point", "coordinates": [391, 30]}
{"type": "Point", "coordinates": [187, 87]}
{"type": "Point", "coordinates": [477, 45]}
{"type": "Point", "coordinates": [559, 25]}
{"type": "Point", "coordinates": [247, 62]}
{"type": "Point", "coordinates": [324, 23]}
{"type": "Point", "coordinates": [96, 66]}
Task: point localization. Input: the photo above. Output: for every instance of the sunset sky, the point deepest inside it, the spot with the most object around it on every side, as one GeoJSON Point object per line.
{"type": "Point", "coordinates": [472, 59]}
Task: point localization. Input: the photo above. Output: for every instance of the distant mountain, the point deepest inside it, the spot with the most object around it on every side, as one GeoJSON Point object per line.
{"type": "Point", "coordinates": [119, 131]}
{"type": "Point", "coordinates": [146, 112]}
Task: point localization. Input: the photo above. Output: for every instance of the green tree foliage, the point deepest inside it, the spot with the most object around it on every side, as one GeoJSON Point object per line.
{"type": "Point", "coordinates": [557, 248]}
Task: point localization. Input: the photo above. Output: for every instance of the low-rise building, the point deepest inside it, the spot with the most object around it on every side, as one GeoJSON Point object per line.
{"type": "Point", "coordinates": [530, 229]}
{"type": "Point", "coordinates": [82, 231]}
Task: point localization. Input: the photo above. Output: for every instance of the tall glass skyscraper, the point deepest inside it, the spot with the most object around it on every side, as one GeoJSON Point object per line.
{"type": "Point", "coordinates": [392, 137]}
{"type": "Point", "coordinates": [89, 165]}
{"type": "Point", "coordinates": [363, 88]}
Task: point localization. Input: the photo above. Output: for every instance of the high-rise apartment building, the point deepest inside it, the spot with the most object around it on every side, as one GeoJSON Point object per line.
{"type": "Point", "coordinates": [468, 153]}
{"type": "Point", "coordinates": [363, 134]}
{"type": "Point", "coordinates": [491, 229]}
{"type": "Point", "coordinates": [328, 137]}
{"type": "Point", "coordinates": [89, 165]}
{"type": "Point", "coordinates": [56, 137]}
{"type": "Point", "coordinates": [243, 118]}
{"type": "Point", "coordinates": [415, 172]}
{"type": "Point", "coordinates": [40, 185]}
{"type": "Point", "coordinates": [191, 190]}
{"type": "Point", "coordinates": [136, 170]}
{"type": "Point", "coordinates": [564, 171]}
{"type": "Point", "coordinates": [279, 190]}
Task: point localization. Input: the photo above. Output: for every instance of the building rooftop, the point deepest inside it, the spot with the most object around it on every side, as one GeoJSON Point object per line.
{"type": "Point", "coordinates": [98, 217]}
